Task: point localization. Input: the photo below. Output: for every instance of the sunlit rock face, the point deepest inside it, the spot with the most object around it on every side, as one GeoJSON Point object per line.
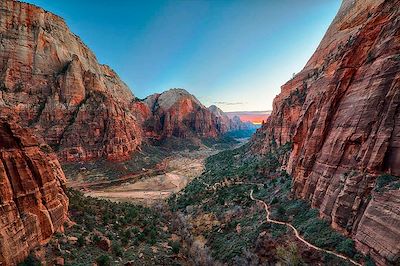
{"type": "Point", "coordinates": [341, 112]}
{"type": "Point", "coordinates": [33, 204]}
{"type": "Point", "coordinates": [178, 113]}
{"type": "Point", "coordinates": [55, 85]}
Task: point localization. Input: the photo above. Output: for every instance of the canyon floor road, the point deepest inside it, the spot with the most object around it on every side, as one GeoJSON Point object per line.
{"type": "Point", "coordinates": [297, 234]}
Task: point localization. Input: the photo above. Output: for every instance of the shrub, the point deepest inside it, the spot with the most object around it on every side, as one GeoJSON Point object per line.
{"type": "Point", "coordinates": [81, 240]}
{"type": "Point", "coordinates": [103, 260]}
{"type": "Point", "coordinates": [281, 212]}
{"type": "Point", "coordinates": [176, 246]}
{"type": "Point", "coordinates": [369, 261]}
{"type": "Point", "coordinates": [289, 255]}
{"type": "Point", "coordinates": [386, 180]}
{"type": "Point", "coordinates": [117, 249]}
{"type": "Point", "coordinates": [96, 239]}
{"type": "Point", "coordinates": [370, 57]}
{"type": "Point", "coordinates": [30, 261]}
{"type": "Point", "coordinates": [346, 247]}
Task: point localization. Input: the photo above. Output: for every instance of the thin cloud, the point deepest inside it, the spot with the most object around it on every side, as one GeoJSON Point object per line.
{"type": "Point", "coordinates": [229, 103]}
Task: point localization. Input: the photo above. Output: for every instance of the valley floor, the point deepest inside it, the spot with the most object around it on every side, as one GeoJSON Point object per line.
{"type": "Point", "coordinates": [149, 177]}
{"type": "Point", "coordinates": [178, 170]}
{"type": "Point", "coordinates": [210, 216]}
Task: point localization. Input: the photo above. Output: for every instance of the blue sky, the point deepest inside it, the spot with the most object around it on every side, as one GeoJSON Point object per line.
{"type": "Point", "coordinates": [235, 54]}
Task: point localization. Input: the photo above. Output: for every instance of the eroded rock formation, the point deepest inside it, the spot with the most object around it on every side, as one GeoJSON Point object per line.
{"type": "Point", "coordinates": [226, 124]}
{"type": "Point", "coordinates": [54, 84]}
{"type": "Point", "coordinates": [178, 113]}
{"type": "Point", "coordinates": [32, 200]}
{"type": "Point", "coordinates": [341, 112]}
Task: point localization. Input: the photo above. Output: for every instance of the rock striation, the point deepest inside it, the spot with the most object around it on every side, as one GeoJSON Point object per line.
{"type": "Point", "coordinates": [178, 113]}
{"type": "Point", "coordinates": [33, 203]}
{"type": "Point", "coordinates": [341, 114]}
{"type": "Point", "coordinates": [54, 84]}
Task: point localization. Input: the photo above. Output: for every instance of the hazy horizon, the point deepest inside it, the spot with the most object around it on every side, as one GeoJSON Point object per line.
{"type": "Point", "coordinates": [234, 54]}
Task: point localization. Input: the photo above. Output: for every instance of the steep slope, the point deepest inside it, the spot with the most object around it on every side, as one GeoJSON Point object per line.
{"type": "Point", "coordinates": [341, 112]}
{"type": "Point", "coordinates": [238, 124]}
{"type": "Point", "coordinates": [178, 113]}
{"type": "Point", "coordinates": [54, 84]}
{"type": "Point", "coordinates": [226, 124]}
{"type": "Point", "coordinates": [32, 199]}
{"type": "Point", "coordinates": [223, 121]}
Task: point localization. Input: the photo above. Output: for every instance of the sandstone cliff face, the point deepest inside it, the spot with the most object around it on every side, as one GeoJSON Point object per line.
{"type": "Point", "coordinates": [377, 233]}
{"type": "Point", "coordinates": [341, 112]}
{"type": "Point", "coordinates": [226, 124]}
{"type": "Point", "coordinates": [32, 199]}
{"type": "Point", "coordinates": [55, 85]}
{"type": "Point", "coordinates": [178, 113]}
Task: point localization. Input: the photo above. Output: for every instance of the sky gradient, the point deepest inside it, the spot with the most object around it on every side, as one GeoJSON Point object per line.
{"type": "Point", "coordinates": [235, 54]}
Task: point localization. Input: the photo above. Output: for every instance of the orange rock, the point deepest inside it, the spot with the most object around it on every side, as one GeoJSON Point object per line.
{"type": "Point", "coordinates": [341, 112]}
{"type": "Point", "coordinates": [178, 113]}
{"type": "Point", "coordinates": [54, 84]}
{"type": "Point", "coordinates": [59, 261]}
{"type": "Point", "coordinates": [82, 109]}
{"type": "Point", "coordinates": [32, 200]}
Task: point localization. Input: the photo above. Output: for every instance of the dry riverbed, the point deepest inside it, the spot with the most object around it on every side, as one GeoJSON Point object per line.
{"type": "Point", "coordinates": [179, 169]}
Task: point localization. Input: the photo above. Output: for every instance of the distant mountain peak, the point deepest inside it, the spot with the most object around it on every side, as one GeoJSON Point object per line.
{"type": "Point", "coordinates": [216, 110]}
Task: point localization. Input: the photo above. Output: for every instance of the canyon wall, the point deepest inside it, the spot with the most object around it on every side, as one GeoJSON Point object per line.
{"type": "Point", "coordinates": [33, 203]}
{"type": "Point", "coordinates": [54, 84]}
{"type": "Point", "coordinates": [178, 113]}
{"type": "Point", "coordinates": [341, 114]}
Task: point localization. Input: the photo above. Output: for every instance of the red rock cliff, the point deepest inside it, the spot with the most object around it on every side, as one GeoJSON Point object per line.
{"type": "Point", "coordinates": [178, 113]}
{"type": "Point", "coordinates": [54, 84]}
{"type": "Point", "coordinates": [33, 204]}
{"type": "Point", "coordinates": [341, 112]}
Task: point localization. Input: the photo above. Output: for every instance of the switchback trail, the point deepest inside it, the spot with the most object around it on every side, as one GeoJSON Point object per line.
{"type": "Point", "coordinates": [298, 235]}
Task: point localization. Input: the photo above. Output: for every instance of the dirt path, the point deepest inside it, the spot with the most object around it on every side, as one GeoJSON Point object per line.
{"type": "Point", "coordinates": [298, 235]}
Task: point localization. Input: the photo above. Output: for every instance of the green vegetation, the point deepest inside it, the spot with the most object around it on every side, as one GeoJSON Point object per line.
{"type": "Point", "coordinates": [103, 260]}
{"type": "Point", "coordinates": [111, 233]}
{"type": "Point", "coordinates": [370, 57]}
{"type": "Point", "coordinates": [175, 245]}
{"type": "Point", "coordinates": [387, 182]}
{"type": "Point", "coordinates": [297, 96]}
{"type": "Point", "coordinates": [30, 261]}
{"type": "Point", "coordinates": [289, 255]}
{"type": "Point", "coordinates": [222, 167]}
{"type": "Point", "coordinates": [239, 134]}
{"type": "Point", "coordinates": [221, 143]}
{"type": "Point", "coordinates": [223, 192]}
{"type": "Point", "coordinates": [147, 158]}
